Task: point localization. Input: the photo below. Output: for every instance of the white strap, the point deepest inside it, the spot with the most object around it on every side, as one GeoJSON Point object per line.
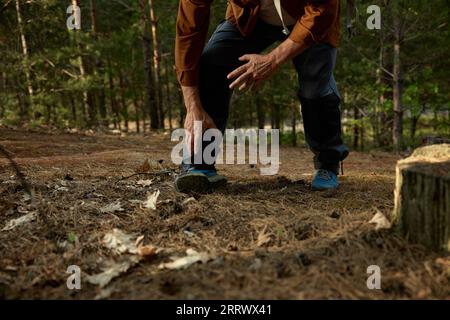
{"type": "Point", "coordinates": [280, 13]}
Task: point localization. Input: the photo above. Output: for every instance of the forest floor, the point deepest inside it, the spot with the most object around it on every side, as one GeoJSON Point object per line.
{"type": "Point", "coordinates": [260, 237]}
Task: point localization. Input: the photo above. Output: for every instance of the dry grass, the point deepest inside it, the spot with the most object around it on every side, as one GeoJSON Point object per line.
{"type": "Point", "coordinates": [272, 236]}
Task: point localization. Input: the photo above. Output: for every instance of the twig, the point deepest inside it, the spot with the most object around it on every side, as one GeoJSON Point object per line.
{"type": "Point", "coordinates": [168, 171]}
{"type": "Point", "coordinates": [19, 174]}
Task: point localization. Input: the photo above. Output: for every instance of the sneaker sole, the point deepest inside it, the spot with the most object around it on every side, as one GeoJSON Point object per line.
{"type": "Point", "coordinates": [193, 183]}
{"type": "Point", "coordinates": [217, 183]}
{"type": "Point", "coordinates": [323, 189]}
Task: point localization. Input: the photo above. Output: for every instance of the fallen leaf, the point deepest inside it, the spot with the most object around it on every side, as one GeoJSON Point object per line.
{"type": "Point", "coordinates": [147, 251]}
{"type": "Point", "coordinates": [145, 183]}
{"type": "Point", "coordinates": [263, 238]}
{"type": "Point", "coordinates": [19, 221]}
{"type": "Point", "coordinates": [26, 197]}
{"type": "Point", "coordinates": [145, 167]}
{"type": "Point", "coordinates": [380, 221]}
{"type": "Point", "coordinates": [188, 200]}
{"type": "Point", "coordinates": [139, 240]}
{"type": "Point", "coordinates": [120, 242]}
{"type": "Point", "coordinates": [444, 263]}
{"type": "Point", "coordinates": [256, 265]}
{"type": "Point", "coordinates": [104, 293]}
{"type": "Point", "coordinates": [112, 207]}
{"type": "Point", "coordinates": [111, 271]}
{"type": "Point", "coordinates": [134, 201]}
{"type": "Point", "coordinates": [188, 233]}
{"type": "Point", "coordinates": [98, 195]}
{"type": "Point", "coordinates": [150, 203]}
{"type": "Point", "coordinates": [23, 210]}
{"type": "Point", "coordinates": [191, 257]}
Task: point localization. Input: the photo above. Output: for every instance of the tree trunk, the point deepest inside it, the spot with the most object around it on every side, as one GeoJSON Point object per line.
{"type": "Point", "coordinates": [137, 110]}
{"type": "Point", "coordinates": [260, 112]}
{"type": "Point", "coordinates": [168, 95]}
{"type": "Point", "coordinates": [156, 64]}
{"type": "Point", "coordinates": [26, 60]}
{"type": "Point", "coordinates": [73, 109]}
{"type": "Point", "coordinates": [294, 125]}
{"type": "Point", "coordinates": [414, 122]}
{"type": "Point", "coordinates": [277, 116]}
{"type": "Point", "coordinates": [144, 113]}
{"type": "Point", "coordinates": [362, 135]}
{"type": "Point", "coordinates": [422, 197]}
{"type": "Point", "coordinates": [397, 130]}
{"type": "Point", "coordinates": [149, 86]}
{"type": "Point", "coordinates": [85, 93]}
{"type": "Point", "coordinates": [272, 116]}
{"type": "Point", "coordinates": [112, 99]}
{"type": "Point", "coordinates": [98, 69]}
{"type": "Point", "coordinates": [250, 102]}
{"type": "Point", "coordinates": [21, 104]}
{"type": "Point", "coordinates": [87, 100]}
{"type": "Point", "coordinates": [3, 85]}
{"type": "Point", "coordinates": [355, 127]}
{"type": "Point", "coordinates": [123, 100]}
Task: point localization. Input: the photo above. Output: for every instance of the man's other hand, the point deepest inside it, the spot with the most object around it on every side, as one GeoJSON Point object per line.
{"type": "Point", "coordinates": [195, 112]}
{"type": "Point", "coordinates": [258, 68]}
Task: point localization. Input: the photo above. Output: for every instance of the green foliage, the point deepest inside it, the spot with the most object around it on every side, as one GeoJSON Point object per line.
{"type": "Point", "coordinates": [113, 79]}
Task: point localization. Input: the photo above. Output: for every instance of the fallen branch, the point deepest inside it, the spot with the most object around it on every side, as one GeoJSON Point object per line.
{"type": "Point", "coordinates": [19, 174]}
{"type": "Point", "coordinates": [168, 171]}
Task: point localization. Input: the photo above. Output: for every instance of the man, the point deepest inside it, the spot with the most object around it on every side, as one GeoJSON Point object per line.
{"type": "Point", "coordinates": [308, 32]}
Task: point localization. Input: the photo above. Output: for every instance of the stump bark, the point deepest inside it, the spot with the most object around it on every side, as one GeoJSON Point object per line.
{"type": "Point", "coordinates": [422, 197]}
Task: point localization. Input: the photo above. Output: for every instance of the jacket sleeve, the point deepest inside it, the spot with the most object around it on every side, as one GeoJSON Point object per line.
{"type": "Point", "coordinates": [191, 31]}
{"type": "Point", "coordinates": [315, 23]}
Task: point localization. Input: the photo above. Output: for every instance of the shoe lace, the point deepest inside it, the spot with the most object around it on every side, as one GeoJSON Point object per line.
{"type": "Point", "coordinates": [324, 174]}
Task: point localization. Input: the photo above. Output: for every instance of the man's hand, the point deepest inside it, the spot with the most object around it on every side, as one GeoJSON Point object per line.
{"type": "Point", "coordinates": [257, 69]}
{"type": "Point", "coordinates": [195, 112]}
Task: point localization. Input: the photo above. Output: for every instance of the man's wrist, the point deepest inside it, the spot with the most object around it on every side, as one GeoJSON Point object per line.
{"type": "Point", "coordinates": [285, 51]}
{"type": "Point", "coordinates": [276, 59]}
{"type": "Point", "coordinates": [191, 97]}
{"type": "Point", "coordinates": [193, 107]}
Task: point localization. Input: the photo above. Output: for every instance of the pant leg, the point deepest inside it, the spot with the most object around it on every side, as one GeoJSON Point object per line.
{"type": "Point", "coordinates": [219, 58]}
{"type": "Point", "coordinates": [320, 101]}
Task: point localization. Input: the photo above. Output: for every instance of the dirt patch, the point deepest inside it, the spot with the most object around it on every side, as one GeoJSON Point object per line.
{"type": "Point", "coordinates": [271, 237]}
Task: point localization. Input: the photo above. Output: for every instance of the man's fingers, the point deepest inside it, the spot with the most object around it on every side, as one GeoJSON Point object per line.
{"type": "Point", "coordinates": [245, 57]}
{"type": "Point", "coordinates": [241, 69]}
{"type": "Point", "coordinates": [239, 80]}
{"type": "Point", "coordinates": [238, 71]}
{"type": "Point", "coordinates": [246, 84]}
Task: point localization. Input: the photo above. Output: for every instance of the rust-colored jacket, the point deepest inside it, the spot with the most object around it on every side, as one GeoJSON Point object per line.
{"type": "Point", "coordinates": [318, 21]}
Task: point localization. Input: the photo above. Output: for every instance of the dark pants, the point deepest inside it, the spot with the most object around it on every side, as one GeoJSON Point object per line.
{"type": "Point", "coordinates": [318, 93]}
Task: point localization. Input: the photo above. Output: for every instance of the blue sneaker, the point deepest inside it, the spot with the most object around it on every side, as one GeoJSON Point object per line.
{"type": "Point", "coordinates": [198, 181]}
{"type": "Point", "coordinates": [324, 180]}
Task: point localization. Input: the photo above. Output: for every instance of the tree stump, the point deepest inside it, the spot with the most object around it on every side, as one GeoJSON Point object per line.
{"type": "Point", "coordinates": [422, 197]}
